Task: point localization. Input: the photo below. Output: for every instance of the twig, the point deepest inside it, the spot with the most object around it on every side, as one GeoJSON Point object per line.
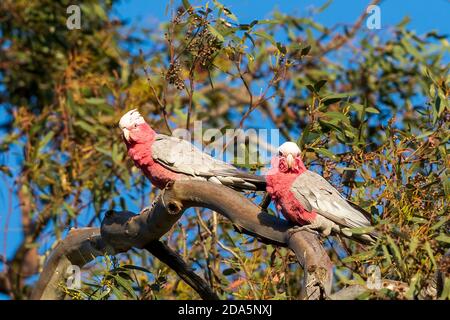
{"type": "Point", "coordinates": [338, 42]}
{"type": "Point", "coordinates": [174, 261]}
{"type": "Point", "coordinates": [162, 105]}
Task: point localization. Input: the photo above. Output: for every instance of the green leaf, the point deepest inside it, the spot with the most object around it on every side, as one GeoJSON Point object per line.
{"type": "Point", "coordinates": [186, 4]}
{"type": "Point", "coordinates": [305, 51]}
{"type": "Point", "coordinates": [85, 126]}
{"type": "Point", "coordinates": [133, 267]}
{"type": "Point", "coordinates": [103, 294]}
{"type": "Point", "coordinates": [69, 210]}
{"type": "Point", "coordinates": [266, 36]}
{"type": "Point", "coordinates": [410, 48]}
{"type": "Point", "coordinates": [95, 101]}
{"type": "Point", "coordinates": [330, 125]}
{"type": "Point", "coordinates": [357, 107]}
{"type": "Point", "coordinates": [216, 33]}
{"type": "Point", "coordinates": [386, 254]}
{"type": "Point", "coordinates": [334, 97]}
{"type": "Point", "coordinates": [359, 257]}
{"type": "Point", "coordinates": [319, 84]}
{"type": "Point", "coordinates": [446, 184]}
{"type": "Point", "coordinates": [325, 152]}
{"type": "Point", "coordinates": [311, 88]}
{"type": "Point", "coordinates": [106, 152]}
{"type": "Point", "coordinates": [342, 169]}
{"type": "Point", "coordinates": [396, 250]}
{"type": "Point", "coordinates": [45, 140]}
{"type": "Point", "coordinates": [324, 6]}
{"type": "Point", "coordinates": [126, 285]}
{"type": "Point", "coordinates": [281, 48]}
{"type": "Point", "coordinates": [446, 291]}
{"type": "Point", "coordinates": [115, 155]}
{"type": "Point", "coordinates": [225, 10]}
{"type": "Point", "coordinates": [430, 253]}
{"type": "Point", "coordinates": [6, 170]}
{"type": "Point", "coordinates": [413, 245]}
{"type": "Point", "coordinates": [372, 110]}
{"type": "Point", "coordinates": [441, 222]}
{"type": "Point", "coordinates": [362, 230]}
{"type": "Point", "coordinates": [269, 21]}
{"type": "Point", "coordinates": [337, 116]}
{"type": "Point", "coordinates": [118, 293]}
{"type": "Point", "coordinates": [443, 238]}
{"type": "Point", "coordinates": [404, 22]}
{"type": "Point", "coordinates": [230, 271]}
{"type": "Point", "coordinates": [413, 286]}
{"type": "Point", "coordinates": [250, 38]}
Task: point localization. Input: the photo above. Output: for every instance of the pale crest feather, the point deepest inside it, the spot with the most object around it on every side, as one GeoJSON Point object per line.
{"type": "Point", "coordinates": [131, 118]}
{"type": "Point", "coordinates": [289, 148]}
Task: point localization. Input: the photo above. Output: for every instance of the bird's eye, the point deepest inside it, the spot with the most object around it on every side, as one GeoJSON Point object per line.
{"type": "Point", "coordinates": [280, 153]}
{"type": "Point", "coordinates": [135, 125]}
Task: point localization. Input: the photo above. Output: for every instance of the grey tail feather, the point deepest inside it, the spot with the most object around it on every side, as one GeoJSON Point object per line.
{"type": "Point", "coordinates": [364, 212]}
{"type": "Point", "coordinates": [367, 238]}
{"type": "Point", "coordinates": [257, 183]}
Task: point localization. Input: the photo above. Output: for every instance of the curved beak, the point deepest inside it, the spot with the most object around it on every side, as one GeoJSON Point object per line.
{"type": "Point", "coordinates": [290, 160]}
{"type": "Point", "coordinates": [126, 134]}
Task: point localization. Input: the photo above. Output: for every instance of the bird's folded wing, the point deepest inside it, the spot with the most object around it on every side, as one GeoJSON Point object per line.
{"type": "Point", "coordinates": [181, 156]}
{"type": "Point", "coordinates": [314, 192]}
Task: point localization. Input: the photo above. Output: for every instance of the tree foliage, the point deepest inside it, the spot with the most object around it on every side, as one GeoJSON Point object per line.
{"type": "Point", "coordinates": [370, 111]}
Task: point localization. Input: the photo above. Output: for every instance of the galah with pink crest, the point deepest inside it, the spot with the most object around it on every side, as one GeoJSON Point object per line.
{"type": "Point", "coordinates": [163, 158]}
{"type": "Point", "coordinates": [306, 199]}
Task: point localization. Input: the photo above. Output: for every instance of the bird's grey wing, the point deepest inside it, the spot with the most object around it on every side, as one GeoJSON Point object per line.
{"type": "Point", "coordinates": [313, 191]}
{"type": "Point", "coordinates": [181, 156]}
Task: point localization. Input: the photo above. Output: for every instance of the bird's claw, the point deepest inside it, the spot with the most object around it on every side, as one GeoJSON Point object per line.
{"type": "Point", "coordinates": [265, 202]}
{"type": "Point", "coordinates": [308, 228]}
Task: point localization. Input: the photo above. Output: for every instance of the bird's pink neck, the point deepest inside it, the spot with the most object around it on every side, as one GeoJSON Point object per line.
{"type": "Point", "coordinates": [140, 150]}
{"type": "Point", "coordinates": [280, 175]}
{"type": "Point", "coordinates": [279, 181]}
{"type": "Point", "coordinates": [140, 143]}
{"type": "Point", "coordinates": [143, 134]}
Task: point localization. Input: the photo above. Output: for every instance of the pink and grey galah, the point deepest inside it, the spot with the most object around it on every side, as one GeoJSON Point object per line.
{"type": "Point", "coordinates": [163, 158]}
{"type": "Point", "coordinates": [306, 199]}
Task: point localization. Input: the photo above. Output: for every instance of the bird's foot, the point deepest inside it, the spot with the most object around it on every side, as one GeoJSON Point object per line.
{"type": "Point", "coordinates": [265, 202]}
{"type": "Point", "coordinates": [152, 205]}
{"type": "Point", "coordinates": [308, 228]}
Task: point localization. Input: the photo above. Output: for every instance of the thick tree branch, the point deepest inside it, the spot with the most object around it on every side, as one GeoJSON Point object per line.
{"type": "Point", "coordinates": [78, 248]}
{"type": "Point", "coordinates": [352, 292]}
{"type": "Point", "coordinates": [317, 266]}
{"type": "Point", "coordinates": [120, 231]}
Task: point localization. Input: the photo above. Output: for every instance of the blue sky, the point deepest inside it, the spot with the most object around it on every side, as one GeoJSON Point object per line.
{"type": "Point", "coordinates": [425, 16]}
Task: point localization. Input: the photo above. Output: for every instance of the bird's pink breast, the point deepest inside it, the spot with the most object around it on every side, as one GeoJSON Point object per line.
{"type": "Point", "coordinates": [142, 156]}
{"type": "Point", "coordinates": [279, 187]}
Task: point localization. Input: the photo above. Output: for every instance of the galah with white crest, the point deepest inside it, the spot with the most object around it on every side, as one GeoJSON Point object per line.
{"type": "Point", "coordinates": [163, 158]}
{"type": "Point", "coordinates": [306, 199]}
